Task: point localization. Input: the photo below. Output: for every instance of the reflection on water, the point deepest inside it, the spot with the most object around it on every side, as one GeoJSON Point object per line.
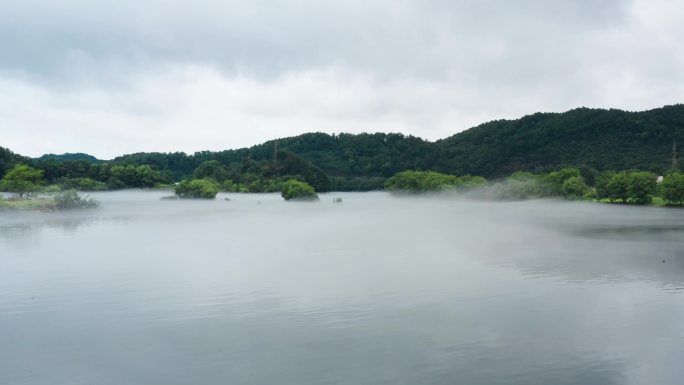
{"type": "Point", "coordinates": [376, 290]}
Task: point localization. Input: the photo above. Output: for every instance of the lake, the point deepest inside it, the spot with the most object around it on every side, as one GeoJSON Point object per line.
{"type": "Point", "coordinates": [374, 290]}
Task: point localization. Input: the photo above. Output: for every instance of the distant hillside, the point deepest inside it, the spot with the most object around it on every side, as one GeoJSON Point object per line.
{"type": "Point", "coordinates": [376, 154]}
{"type": "Point", "coordinates": [602, 139]}
{"type": "Point", "coordinates": [69, 156]}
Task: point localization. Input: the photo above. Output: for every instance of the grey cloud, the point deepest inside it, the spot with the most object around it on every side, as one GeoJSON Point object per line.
{"type": "Point", "coordinates": [265, 39]}
{"type": "Point", "coordinates": [114, 77]}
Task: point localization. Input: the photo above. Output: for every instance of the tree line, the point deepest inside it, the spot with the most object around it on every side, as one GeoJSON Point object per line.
{"type": "Point", "coordinates": [627, 187]}
{"type": "Point", "coordinates": [596, 139]}
{"type": "Point", "coordinates": [584, 183]}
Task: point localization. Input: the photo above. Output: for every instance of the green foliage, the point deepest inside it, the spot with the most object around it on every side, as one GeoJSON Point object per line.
{"type": "Point", "coordinates": [114, 183]}
{"type": "Point", "coordinates": [22, 180]}
{"type": "Point", "coordinates": [589, 174]}
{"type": "Point", "coordinates": [555, 180]}
{"type": "Point", "coordinates": [594, 140]}
{"type": "Point", "coordinates": [82, 184]}
{"type": "Point", "coordinates": [468, 182]}
{"type": "Point", "coordinates": [673, 188]}
{"type": "Point", "coordinates": [617, 187]}
{"type": "Point", "coordinates": [211, 169]}
{"type": "Point", "coordinates": [430, 181]}
{"type": "Point", "coordinates": [8, 159]}
{"type": "Point", "coordinates": [136, 176]}
{"type": "Point", "coordinates": [520, 185]}
{"type": "Point", "coordinates": [602, 191]}
{"type": "Point", "coordinates": [69, 156]}
{"type": "Point", "coordinates": [600, 139]}
{"type": "Point", "coordinates": [298, 190]}
{"type": "Point", "coordinates": [51, 189]}
{"type": "Point", "coordinates": [261, 185]}
{"type": "Point", "coordinates": [289, 163]}
{"type": "Point", "coordinates": [635, 187]}
{"type": "Point", "coordinates": [641, 187]}
{"type": "Point", "coordinates": [70, 199]}
{"type": "Point", "coordinates": [197, 188]}
{"type": "Point", "coordinates": [574, 187]}
{"type": "Point", "coordinates": [230, 186]}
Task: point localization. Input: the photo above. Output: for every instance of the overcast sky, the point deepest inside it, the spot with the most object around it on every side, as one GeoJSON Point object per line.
{"type": "Point", "coordinates": [123, 76]}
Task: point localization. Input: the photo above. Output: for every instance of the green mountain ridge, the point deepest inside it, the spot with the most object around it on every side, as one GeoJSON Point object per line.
{"type": "Point", "coordinates": [603, 139]}
{"type": "Point", "coordinates": [599, 138]}
{"type": "Point", "coordinates": [69, 156]}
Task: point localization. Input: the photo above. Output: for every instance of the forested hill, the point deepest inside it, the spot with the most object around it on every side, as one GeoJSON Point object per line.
{"type": "Point", "coordinates": [70, 156]}
{"type": "Point", "coordinates": [602, 139]}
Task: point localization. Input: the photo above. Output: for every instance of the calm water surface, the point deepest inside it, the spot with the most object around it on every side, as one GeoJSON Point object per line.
{"type": "Point", "coordinates": [375, 290]}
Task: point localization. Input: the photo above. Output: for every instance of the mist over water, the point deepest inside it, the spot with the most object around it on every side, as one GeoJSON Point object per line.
{"type": "Point", "coordinates": [374, 290]}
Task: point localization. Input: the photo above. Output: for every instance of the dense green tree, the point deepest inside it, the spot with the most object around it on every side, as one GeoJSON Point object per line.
{"type": "Point", "coordinates": [22, 180]}
{"type": "Point", "coordinates": [211, 169]}
{"type": "Point", "coordinates": [588, 174]}
{"type": "Point", "coordinates": [673, 187]}
{"type": "Point", "coordinates": [230, 186]}
{"type": "Point", "coordinates": [555, 180]}
{"type": "Point", "coordinates": [641, 186]}
{"type": "Point", "coordinates": [427, 181]}
{"type": "Point", "coordinates": [8, 159]}
{"type": "Point", "coordinates": [136, 176]}
{"type": "Point", "coordinates": [617, 187]}
{"type": "Point", "coordinates": [288, 163]}
{"type": "Point", "coordinates": [146, 176]}
{"type": "Point", "coordinates": [115, 183]}
{"type": "Point", "coordinates": [601, 185]}
{"type": "Point", "coordinates": [298, 190]}
{"type": "Point", "coordinates": [125, 173]}
{"type": "Point", "coordinates": [574, 187]}
{"type": "Point", "coordinates": [197, 188]}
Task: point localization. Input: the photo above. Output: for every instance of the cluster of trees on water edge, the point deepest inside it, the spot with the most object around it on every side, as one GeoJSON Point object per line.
{"type": "Point", "coordinates": [583, 183]}
{"type": "Point", "coordinates": [27, 183]}
{"type": "Point", "coordinates": [626, 187]}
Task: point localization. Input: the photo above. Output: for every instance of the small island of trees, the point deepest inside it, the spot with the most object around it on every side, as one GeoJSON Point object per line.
{"type": "Point", "coordinates": [293, 189]}
{"type": "Point", "coordinates": [197, 189]}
